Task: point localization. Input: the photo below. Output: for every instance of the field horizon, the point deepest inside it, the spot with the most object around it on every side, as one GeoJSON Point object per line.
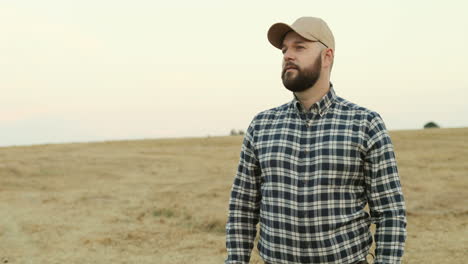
{"type": "Point", "coordinates": [165, 200]}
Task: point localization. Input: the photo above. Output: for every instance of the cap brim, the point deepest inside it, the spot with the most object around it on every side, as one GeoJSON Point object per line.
{"type": "Point", "coordinates": [276, 34]}
{"type": "Point", "coordinates": [278, 31]}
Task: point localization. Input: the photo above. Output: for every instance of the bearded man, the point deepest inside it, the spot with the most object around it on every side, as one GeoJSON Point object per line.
{"type": "Point", "coordinates": [308, 168]}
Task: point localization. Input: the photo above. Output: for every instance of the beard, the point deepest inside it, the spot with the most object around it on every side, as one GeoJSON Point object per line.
{"type": "Point", "coordinates": [304, 78]}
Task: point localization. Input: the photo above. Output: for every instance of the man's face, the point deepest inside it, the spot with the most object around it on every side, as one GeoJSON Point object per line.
{"type": "Point", "coordinates": [302, 62]}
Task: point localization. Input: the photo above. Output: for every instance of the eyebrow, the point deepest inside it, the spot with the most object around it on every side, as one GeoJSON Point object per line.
{"type": "Point", "coordinates": [295, 42]}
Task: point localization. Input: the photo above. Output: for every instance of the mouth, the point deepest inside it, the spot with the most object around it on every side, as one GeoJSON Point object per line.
{"type": "Point", "coordinates": [290, 67]}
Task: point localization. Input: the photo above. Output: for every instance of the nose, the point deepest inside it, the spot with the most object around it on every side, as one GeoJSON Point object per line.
{"type": "Point", "coordinates": [288, 55]}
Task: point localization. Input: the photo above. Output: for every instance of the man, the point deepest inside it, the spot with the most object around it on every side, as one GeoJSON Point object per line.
{"type": "Point", "coordinates": [308, 168]}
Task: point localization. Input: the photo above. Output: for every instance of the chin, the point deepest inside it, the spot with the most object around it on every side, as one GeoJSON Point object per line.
{"type": "Point", "coordinates": [290, 76]}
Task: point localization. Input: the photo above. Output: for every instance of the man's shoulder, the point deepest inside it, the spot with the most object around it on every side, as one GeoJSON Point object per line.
{"type": "Point", "coordinates": [345, 106]}
{"type": "Point", "coordinates": [371, 120]}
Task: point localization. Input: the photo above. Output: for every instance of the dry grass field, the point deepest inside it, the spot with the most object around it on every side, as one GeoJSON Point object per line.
{"type": "Point", "coordinates": [165, 201]}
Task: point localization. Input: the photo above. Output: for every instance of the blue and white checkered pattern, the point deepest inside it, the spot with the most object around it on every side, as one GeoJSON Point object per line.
{"type": "Point", "coordinates": [307, 177]}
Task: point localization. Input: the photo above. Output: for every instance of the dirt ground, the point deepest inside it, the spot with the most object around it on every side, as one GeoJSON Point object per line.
{"type": "Point", "coordinates": [165, 201]}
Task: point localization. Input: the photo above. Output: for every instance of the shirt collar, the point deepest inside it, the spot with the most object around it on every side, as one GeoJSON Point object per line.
{"type": "Point", "coordinates": [321, 106]}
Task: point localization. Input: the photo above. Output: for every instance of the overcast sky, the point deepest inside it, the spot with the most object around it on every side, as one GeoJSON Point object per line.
{"type": "Point", "coordinates": [74, 71]}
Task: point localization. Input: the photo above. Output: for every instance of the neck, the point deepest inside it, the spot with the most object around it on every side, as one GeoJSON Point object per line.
{"type": "Point", "coordinates": [313, 94]}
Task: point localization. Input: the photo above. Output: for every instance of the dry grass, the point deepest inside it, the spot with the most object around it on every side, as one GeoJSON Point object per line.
{"type": "Point", "coordinates": [165, 201]}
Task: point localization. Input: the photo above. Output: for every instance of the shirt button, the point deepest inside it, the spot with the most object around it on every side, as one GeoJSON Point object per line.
{"type": "Point", "coordinates": [309, 123]}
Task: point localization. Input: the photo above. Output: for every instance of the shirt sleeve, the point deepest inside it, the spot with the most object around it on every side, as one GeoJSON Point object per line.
{"type": "Point", "coordinates": [244, 204]}
{"type": "Point", "coordinates": [384, 194]}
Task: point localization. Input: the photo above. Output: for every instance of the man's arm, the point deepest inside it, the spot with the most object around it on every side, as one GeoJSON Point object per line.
{"type": "Point", "coordinates": [244, 204]}
{"type": "Point", "coordinates": [385, 197]}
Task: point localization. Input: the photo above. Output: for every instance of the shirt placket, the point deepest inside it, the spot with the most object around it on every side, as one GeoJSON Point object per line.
{"type": "Point", "coordinates": [307, 119]}
{"type": "Point", "coordinates": [307, 134]}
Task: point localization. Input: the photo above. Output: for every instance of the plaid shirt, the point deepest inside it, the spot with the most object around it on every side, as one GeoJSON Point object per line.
{"type": "Point", "coordinates": [307, 177]}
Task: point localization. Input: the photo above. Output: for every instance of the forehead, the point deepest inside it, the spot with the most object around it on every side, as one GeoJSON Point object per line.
{"type": "Point", "coordinates": [292, 37]}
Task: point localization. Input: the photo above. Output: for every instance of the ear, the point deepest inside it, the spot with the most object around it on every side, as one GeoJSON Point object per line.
{"type": "Point", "coordinates": [328, 56]}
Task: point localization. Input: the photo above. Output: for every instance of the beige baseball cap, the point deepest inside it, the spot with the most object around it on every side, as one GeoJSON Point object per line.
{"type": "Point", "coordinates": [311, 28]}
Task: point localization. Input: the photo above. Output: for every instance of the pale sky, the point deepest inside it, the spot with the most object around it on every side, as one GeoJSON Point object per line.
{"type": "Point", "coordinates": [73, 71]}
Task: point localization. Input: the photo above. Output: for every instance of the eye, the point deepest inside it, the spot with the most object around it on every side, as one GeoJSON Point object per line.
{"type": "Point", "coordinates": [300, 47]}
{"type": "Point", "coordinates": [283, 51]}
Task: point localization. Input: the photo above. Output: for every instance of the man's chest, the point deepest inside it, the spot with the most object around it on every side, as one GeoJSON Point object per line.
{"type": "Point", "coordinates": [331, 149]}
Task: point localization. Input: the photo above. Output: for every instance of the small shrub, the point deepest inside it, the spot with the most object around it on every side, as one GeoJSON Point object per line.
{"type": "Point", "coordinates": [431, 125]}
{"type": "Point", "coordinates": [233, 132]}
{"type": "Point", "coordinates": [239, 132]}
{"type": "Point", "coordinates": [164, 212]}
{"type": "Point", "coordinates": [214, 226]}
